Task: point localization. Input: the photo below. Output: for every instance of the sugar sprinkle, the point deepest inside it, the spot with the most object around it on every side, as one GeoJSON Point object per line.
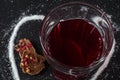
{"type": "Point", "coordinates": [11, 42]}
{"type": "Point", "coordinates": [15, 73]}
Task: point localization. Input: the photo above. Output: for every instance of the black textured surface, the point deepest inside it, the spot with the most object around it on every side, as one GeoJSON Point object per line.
{"type": "Point", "coordinates": [12, 10]}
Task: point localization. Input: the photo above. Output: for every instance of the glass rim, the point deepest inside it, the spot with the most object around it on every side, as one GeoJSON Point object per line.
{"type": "Point", "coordinates": [80, 3]}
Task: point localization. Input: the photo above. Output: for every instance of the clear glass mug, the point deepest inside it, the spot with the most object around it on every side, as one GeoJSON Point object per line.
{"type": "Point", "coordinates": [83, 11]}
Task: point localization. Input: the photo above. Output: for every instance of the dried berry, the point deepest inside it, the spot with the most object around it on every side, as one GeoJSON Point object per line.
{"type": "Point", "coordinates": [31, 62]}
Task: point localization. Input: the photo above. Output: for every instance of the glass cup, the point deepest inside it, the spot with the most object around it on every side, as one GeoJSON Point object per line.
{"type": "Point", "coordinates": [76, 10]}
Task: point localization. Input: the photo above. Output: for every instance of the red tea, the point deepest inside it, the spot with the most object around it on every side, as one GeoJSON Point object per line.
{"type": "Point", "coordinates": [75, 42]}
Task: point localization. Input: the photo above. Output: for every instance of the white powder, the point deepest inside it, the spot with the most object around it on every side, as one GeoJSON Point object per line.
{"type": "Point", "coordinates": [105, 64]}
{"type": "Point", "coordinates": [11, 42]}
{"type": "Point", "coordinates": [11, 48]}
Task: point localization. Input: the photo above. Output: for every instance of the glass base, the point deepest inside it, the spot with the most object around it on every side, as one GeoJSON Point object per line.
{"type": "Point", "coordinates": [62, 76]}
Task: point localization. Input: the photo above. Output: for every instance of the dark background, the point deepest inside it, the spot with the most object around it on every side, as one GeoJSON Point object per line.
{"type": "Point", "coordinates": [12, 10]}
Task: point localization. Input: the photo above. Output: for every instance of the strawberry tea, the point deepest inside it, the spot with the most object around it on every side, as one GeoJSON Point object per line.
{"type": "Point", "coordinates": [75, 42]}
{"type": "Point", "coordinates": [75, 37]}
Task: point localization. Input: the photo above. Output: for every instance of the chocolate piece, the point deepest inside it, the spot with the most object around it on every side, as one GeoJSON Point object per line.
{"type": "Point", "coordinates": [31, 62]}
